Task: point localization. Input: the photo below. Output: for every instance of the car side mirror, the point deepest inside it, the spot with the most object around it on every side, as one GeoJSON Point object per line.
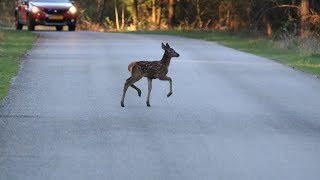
{"type": "Point", "coordinates": [25, 2]}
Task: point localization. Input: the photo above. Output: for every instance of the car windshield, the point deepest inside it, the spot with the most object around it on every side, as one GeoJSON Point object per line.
{"type": "Point", "coordinates": [53, 1]}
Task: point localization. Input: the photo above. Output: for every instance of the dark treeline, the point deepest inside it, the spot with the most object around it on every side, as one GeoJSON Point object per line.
{"type": "Point", "coordinates": [300, 17]}
{"type": "Point", "coordinates": [267, 16]}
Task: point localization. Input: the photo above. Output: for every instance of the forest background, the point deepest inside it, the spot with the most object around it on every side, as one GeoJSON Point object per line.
{"type": "Point", "coordinates": [269, 17]}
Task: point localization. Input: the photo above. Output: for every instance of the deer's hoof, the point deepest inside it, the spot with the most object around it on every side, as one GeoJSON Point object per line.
{"type": "Point", "coordinates": [169, 94]}
{"type": "Point", "coordinates": [148, 104]}
{"type": "Point", "coordinates": [122, 104]}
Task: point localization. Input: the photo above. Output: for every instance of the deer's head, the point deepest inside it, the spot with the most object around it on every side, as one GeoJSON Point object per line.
{"type": "Point", "coordinates": [169, 51]}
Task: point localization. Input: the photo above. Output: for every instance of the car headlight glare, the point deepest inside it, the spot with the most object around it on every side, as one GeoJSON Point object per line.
{"type": "Point", "coordinates": [35, 9]}
{"type": "Point", "coordinates": [73, 10]}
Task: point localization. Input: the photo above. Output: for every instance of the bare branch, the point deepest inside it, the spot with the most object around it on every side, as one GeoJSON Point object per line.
{"type": "Point", "coordinates": [278, 6]}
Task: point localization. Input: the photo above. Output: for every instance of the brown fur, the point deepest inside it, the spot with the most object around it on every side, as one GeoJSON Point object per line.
{"type": "Point", "coordinates": [151, 70]}
{"type": "Point", "coordinates": [130, 66]}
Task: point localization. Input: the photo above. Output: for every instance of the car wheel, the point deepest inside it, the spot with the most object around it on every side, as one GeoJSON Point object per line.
{"type": "Point", "coordinates": [18, 25]}
{"type": "Point", "coordinates": [72, 28]}
{"type": "Point", "coordinates": [59, 28]}
{"type": "Point", "coordinates": [31, 25]}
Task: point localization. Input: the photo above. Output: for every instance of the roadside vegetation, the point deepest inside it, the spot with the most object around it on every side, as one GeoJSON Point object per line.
{"type": "Point", "coordinates": [299, 53]}
{"type": "Point", "coordinates": [13, 45]}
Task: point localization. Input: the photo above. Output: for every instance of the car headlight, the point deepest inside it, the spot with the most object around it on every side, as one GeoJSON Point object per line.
{"type": "Point", "coordinates": [35, 9]}
{"type": "Point", "coordinates": [73, 10]}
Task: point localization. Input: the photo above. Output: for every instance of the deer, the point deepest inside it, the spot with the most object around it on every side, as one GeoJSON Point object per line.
{"type": "Point", "coordinates": [151, 70]}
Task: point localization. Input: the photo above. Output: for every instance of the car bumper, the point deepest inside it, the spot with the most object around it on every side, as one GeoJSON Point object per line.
{"type": "Point", "coordinates": [48, 22]}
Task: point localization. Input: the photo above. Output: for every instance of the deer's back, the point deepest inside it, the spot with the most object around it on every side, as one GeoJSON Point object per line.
{"type": "Point", "coordinates": [152, 69]}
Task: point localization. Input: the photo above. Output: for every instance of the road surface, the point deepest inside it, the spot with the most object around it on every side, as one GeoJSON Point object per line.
{"type": "Point", "coordinates": [232, 115]}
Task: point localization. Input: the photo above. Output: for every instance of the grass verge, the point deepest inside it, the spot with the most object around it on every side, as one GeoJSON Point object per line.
{"type": "Point", "coordinates": [13, 45]}
{"type": "Point", "coordinates": [260, 46]}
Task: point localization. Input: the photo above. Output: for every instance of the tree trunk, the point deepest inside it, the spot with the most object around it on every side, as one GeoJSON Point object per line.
{"type": "Point", "coordinates": [116, 15]}
{"type": "Point", "coordinates": [100, 7]}
{"type": "Point", "coordinates": [154, 7]}
{"type": "Point", "coordinates": [159, 13]}
{"type": "Point", "coordinates": [269, 29]}
{"type": "Point", "coordinates": [304, 12]}
{"type": "Point", "coordinates": [268, 26]}
{"type": "Point", "coordinates": [198, 15]}
{"type": "Point", "coordinates": [122, 17]}
{"type": "Point", "coordinates": [135, 13]}
{"type": "Point", "coordinates": [171, 13]}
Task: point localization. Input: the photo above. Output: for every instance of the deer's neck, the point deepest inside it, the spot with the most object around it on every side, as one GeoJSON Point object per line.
{"type": "Point", "coordinates": [166, 59]}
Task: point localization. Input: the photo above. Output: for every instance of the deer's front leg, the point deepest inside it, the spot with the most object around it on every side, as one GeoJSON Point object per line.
{"type": "Point", "coordinates": [166, 78]}
{"type": "Point", "coordinates": [149, 91]}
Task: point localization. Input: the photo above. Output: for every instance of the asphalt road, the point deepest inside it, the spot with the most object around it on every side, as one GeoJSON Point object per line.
{"type": "Point", "coordinates": [232, 115]}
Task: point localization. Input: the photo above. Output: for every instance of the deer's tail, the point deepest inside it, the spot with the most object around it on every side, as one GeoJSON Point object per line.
{"type": "Point", "coordinates": [130, 66]}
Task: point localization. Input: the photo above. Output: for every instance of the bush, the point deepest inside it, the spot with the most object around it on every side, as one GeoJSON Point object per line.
{"type": "Point", "coordinates": [286, 41]}
{"type": "Point", "coordinates": [309, 46]}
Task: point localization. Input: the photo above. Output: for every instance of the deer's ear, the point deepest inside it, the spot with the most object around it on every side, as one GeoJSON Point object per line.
{"type": "Point", "coordinates": [163, 46]}
{"type": "Point", "coordinates": [167, 45]}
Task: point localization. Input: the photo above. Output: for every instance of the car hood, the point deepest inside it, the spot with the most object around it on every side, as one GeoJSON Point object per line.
{"type": "Point", "coordinates": [52, 5]}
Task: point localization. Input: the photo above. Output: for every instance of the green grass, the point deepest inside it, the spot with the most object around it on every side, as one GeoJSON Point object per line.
{"type": "Point", "coordinates": [261, 46]}
{"type": "Point", "coordinates": [13, 45]}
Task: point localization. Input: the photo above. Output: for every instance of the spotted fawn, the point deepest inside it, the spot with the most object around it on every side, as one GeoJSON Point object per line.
{"type": "Point", "coordinates": [150, 70]}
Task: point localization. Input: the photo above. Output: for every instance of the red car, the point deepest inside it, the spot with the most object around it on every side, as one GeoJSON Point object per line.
{"type": "Point", "coordinates": [56, 13]}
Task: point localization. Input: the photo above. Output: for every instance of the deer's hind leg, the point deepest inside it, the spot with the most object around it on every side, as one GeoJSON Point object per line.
{"type": "Point", "coordinates": [135, 76]}
{"type": "Point", "coordinates": [134, 87]}
{"type": "Point", "coordinates": [137, 89]}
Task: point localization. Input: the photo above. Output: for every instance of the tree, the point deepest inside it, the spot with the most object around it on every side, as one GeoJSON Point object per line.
{"type": "Point", "coordinates": [116, 15]}
{"type": "Point", "coordinates": [171, 12]}
{"type": "Point", "coordinates": [135, 13]}
{"type": "Point", "coordinates": [154, 13]}
{"type": "Point", "coordinates": [305, 15]}
{"type": "Point", "coordinates": [198, 14]}
{"type": "Point", "coordinates": [159, 12]}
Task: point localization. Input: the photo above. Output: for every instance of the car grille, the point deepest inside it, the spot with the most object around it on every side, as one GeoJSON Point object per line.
{"type": "Point", "coordinates": [55, 11]}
